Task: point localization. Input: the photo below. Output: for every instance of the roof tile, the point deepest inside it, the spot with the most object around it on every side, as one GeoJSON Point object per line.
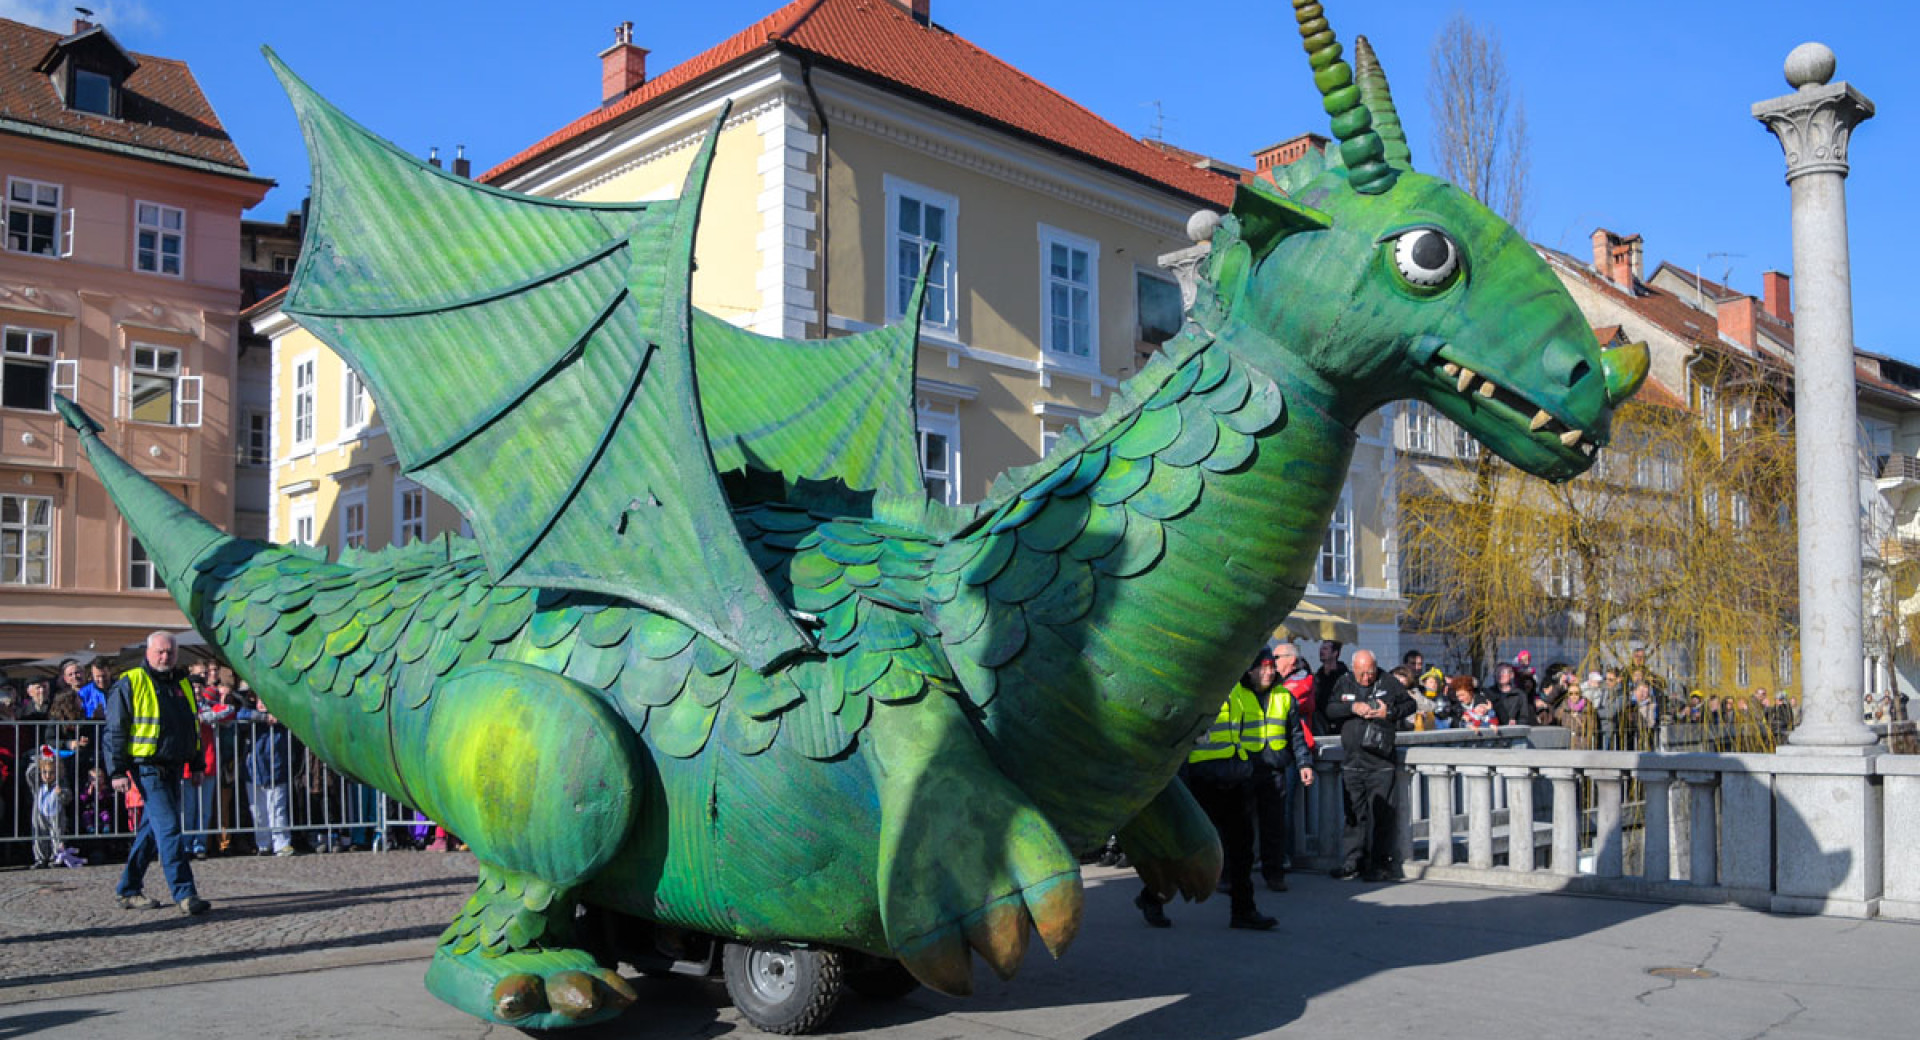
{"type": "Point", "coordinates": [879, 40]}
{"type": "Point", "coordinates": [162, 108]}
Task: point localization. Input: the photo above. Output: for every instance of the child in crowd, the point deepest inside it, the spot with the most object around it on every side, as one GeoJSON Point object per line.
{"type": "Point", "coordinates": [51, 798]}
{"type": "Point", "coordinates": [1471, 711]}
{"type": "Point", "coordinates": [269, 781]}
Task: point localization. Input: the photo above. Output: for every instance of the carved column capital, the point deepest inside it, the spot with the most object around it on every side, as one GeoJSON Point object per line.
{"type": "Point", "coordinates": [1814, 124]}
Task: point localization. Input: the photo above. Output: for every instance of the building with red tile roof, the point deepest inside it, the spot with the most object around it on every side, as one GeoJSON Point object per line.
{"type": "Point", "coordinates": [119, 287]}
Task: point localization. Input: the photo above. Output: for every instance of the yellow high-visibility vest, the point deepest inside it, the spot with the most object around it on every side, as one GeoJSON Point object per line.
{"type": "Point", "coordinates": [143, 735]}
{"type": "Point", "coordinates": [1235, 733]}
{"type": "Point", "coordinates": [1273, 728]}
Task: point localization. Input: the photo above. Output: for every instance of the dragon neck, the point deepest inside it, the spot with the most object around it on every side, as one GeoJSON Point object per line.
{"type": "Point", "coordinates": [1097, 712]}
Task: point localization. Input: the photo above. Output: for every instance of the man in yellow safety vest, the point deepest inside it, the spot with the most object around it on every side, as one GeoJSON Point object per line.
{"type": "Point", "coordinates": [152, 733]}
{"type": "Point", "coordinates": [1219, 773]}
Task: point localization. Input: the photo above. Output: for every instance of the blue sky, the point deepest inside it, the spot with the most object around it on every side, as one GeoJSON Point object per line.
{"type": "Point", "coordinates": [1638, 110]}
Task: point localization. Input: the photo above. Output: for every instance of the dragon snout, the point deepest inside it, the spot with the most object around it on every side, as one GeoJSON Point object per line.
{"type": "Point", "coordinates": [1625, 368]}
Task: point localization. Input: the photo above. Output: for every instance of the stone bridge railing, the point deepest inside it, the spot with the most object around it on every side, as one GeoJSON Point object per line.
{"type": "Point", "coordinates": [1515, 808]}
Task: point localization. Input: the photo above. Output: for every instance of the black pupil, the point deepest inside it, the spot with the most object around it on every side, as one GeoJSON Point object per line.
{"type": "Point", "coordinates": [1430, 251]}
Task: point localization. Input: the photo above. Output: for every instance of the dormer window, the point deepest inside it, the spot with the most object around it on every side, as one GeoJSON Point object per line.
{"type": "Point", "coordinates": [89, 70]}
{"type": "Point", "coordinates": [92, 92]}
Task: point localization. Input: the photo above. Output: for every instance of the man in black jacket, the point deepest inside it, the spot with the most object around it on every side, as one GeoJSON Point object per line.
{"type": "Point", "coordinates": [151, 734]}
{"type": "Point", "coordinates": [1367, 706]}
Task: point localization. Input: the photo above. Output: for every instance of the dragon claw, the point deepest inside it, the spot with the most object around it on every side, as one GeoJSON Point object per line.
{"type": "Point", "coordinates": [939, 959]}
{"type": "Point", "coordinates": [1056, 906]}
{"type": "Point", "coordinates": [517, 996]}
{"type": "Point", "coordinates": [571, 993]}
{"type": "Point", "coordinates": [999, 933]}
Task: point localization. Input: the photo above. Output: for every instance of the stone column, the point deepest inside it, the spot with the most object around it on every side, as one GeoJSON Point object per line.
{"type": "Point", "coordinates": [1814, 124]}
{"type": "Point", "coordinates": [1827, 825]}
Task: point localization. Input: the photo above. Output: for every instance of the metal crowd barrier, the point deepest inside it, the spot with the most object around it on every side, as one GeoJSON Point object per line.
{"type": "Point", "coordinates": [327, 811]}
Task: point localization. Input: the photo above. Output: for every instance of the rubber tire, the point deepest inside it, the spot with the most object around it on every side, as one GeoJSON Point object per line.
{"type": "Point", "coordinates": [819, 981]}
{"type": "Point", "coordinates": [879, 979]}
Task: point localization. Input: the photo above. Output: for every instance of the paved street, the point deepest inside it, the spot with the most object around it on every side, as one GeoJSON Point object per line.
{"type": "Point", "coordinates": [334, 946]}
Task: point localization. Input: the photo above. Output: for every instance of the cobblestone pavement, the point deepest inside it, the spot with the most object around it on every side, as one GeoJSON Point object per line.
{"type": "Point", "coordinates": [313, 949]}
{"type": "Point", "coordinates": [62, 933]}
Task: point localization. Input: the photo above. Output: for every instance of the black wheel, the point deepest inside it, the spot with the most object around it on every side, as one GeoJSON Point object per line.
{"type": "Point", "coordinates": [783, 989]}
{"type": "Point", "coordinates": [878, 979]}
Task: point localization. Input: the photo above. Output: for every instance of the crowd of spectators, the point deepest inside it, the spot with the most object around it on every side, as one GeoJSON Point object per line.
{"type": "Point", "coordinates": [253, 790]}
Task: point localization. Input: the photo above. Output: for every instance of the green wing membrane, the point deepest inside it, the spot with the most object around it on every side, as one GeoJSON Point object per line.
{"type": "Point", "coordinates": [534, 360]}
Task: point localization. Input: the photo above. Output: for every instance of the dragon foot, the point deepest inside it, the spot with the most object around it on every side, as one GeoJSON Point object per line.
{"type": "Point", "coordinates": [507, 958]}
{"type": "Point", "coordinates": [1173, 846]}
{"type": "Point", "coordinates": [967, 862]}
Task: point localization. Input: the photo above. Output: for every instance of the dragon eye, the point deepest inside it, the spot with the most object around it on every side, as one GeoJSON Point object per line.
{"type": "Point", "coordinates": [1427, 258]}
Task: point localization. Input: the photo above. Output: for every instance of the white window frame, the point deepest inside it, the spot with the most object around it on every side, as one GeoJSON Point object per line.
{"type": "Point", "coordinates": [60, 242]}
{"type": "Point", "coordinates": [1560, 573]}
{"type": "Point", "coordinates": [187, 408]}
{"type": "Point", "coordinates": [162, 233]}
{"type": "Point", "coordinates": [355, 404]}
{"type": "Point", "coordinates": [352, 510]}
{"type": "Point", "coordinates": [1050, 350]}
{"type": "Point", "coordinates": [253, 446]}
{"type": "Point", "coordinates": [947, 427]}
{"type": "Point", "coordinates": [300, 513]}
{"type": "Point", "coordinates": [1139, 273]}
{"type": "Point", "coordinates": [946, 266]}
{"type": "Point", "coordinates": [1465, 444]}
{"type": "Point", "coordinates": [1335, 567]}
{"type": "Point", "coordinates": [1742, 669]}
{"type": "Point", "coordinates": [1739, 510]}
{"type": "Point", "coordinates": [1420, 429]}
{"type": "Point", "coordinates": [405, 490]}
{"type": "Point", "coordinates": [302, 413]}
{"type": "Point", "coordinates": [142, 576]}
{"type": "Point", "coordinates": [27, 357]}
{"type": "Point", "coordinates": [15, 536]}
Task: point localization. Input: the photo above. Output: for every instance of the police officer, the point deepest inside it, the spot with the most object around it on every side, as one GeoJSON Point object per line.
{"type": "Point", "coordinates": [1367, 706]}
{"type": "Point", "coordinates": [151, 734]}
{"type": "Point", "coordinates": [1282, 679]}
{"type": "Point", "coordinates": [1219, 772]}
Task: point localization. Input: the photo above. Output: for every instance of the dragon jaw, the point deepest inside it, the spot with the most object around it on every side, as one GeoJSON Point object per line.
{"type": "Point", "coordinates": [1421, 292]}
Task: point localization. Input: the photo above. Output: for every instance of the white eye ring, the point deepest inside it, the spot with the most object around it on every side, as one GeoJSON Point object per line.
{"type": "Point", "coordinates": [1427, 258]}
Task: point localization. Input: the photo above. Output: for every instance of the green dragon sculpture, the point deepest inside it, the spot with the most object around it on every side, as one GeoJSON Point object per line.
{"type": "Point", "coordinates": [800, 702]}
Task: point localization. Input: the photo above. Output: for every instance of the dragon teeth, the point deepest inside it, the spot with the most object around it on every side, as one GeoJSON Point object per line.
{"type": "Point", "coordinates": [1487, 389]}
{"type": "Point", "coordinates": [1466, 380]}
{"type": "Point", "coordinates": [1450, 368]}
{"type": "Point", "coordinates": [1571, 437]}
{"type": "Point", "coordinates": [1589, 447]}
{"type": "Point", "coordinates": [1540, 418]}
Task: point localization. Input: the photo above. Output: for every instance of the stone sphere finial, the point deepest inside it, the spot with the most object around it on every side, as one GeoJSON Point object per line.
{"type": "Point", "coordinates": [1810, 65]}
{"type": "Point", "coordinates": [1200, 226]}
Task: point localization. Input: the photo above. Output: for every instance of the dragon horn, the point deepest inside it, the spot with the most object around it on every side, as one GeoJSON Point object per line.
{"type": "Point", "coordinates": [1379, 101]}
{"type": "Point", "coordinates": [1360, 147]}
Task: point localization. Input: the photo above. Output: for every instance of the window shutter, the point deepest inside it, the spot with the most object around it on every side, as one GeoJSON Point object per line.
{"type": "Point", "coordinates": [66, 234]}
{"type": "Point", "coordinates": [118, 409]}
{"type": "Point", "coordinates": [66, 379]}
{"type": "Point", "coordinates": [190, 390]}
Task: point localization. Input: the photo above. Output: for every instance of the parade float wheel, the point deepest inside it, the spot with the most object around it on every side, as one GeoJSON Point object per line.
{"type": "Point", "coordinates": [784, 989]}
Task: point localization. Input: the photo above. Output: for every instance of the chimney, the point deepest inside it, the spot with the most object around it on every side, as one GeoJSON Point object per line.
{"type": "Point", "coordinates": [1779, 294]}
{"type": "Point", "coordinates": [623, 66]}
{"type": "Point", "coordinates": [461, 167]}
{"type": "Point", "coordinates": [921, 10]}
{"type": "Point", "coordinates": [1617, 259]}
{"type": "Point", "coordinates": [1736, 320]}
{"type": "Point", "coordinates": [83, 22]}
{"type": "Point", "coordinates": [433, 157]}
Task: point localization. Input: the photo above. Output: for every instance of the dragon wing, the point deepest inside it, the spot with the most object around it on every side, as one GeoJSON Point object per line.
{"type": "Point", "coordinates": [534, 365]}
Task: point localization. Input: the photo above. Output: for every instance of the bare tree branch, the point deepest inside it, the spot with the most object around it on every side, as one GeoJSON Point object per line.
{"type": "Point", "coordinates": [1480, 123]}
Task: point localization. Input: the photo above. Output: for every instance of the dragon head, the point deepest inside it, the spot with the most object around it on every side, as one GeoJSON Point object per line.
{"type": "Point", "coordinates": [1387, 284]}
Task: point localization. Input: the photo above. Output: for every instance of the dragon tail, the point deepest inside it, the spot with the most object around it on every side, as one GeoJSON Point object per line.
{"type": "Point", "coordinates": [184, 547]}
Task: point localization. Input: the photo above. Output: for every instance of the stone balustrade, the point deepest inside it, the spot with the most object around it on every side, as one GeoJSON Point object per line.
{"type": "Point", "coordinates": [1506, 808]}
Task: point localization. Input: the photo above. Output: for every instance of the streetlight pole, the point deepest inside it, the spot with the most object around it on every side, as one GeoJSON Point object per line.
{"type": "Point", "coordinates": [1814, 124]}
